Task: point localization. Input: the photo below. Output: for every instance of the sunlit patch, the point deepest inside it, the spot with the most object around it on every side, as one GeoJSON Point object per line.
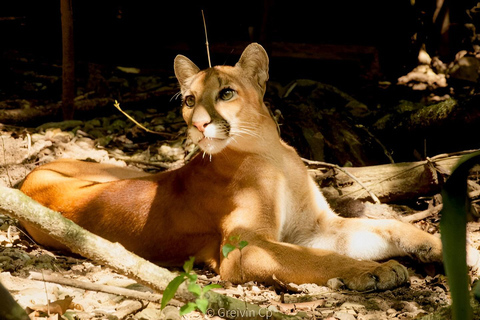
{"type": "Point", "coordinates": [367, 245]}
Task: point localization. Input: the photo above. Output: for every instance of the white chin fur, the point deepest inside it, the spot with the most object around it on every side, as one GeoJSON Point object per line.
{"type": "Point", "coordinates": [212, 146]}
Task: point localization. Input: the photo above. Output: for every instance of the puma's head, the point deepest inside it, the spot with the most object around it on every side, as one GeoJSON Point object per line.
{"type": "Point", "coordinates": [223, 106]}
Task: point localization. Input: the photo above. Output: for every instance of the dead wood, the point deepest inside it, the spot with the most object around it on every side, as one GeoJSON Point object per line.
{"type": "Point", "coordinates": [19, 206]}
{"type": "Point", "coordinates": [422, 214]}
{"type": "Point", "coordinates": [130, 308]}
{"type": "Point", "coordinates": [55, 278]}
{"type": "Point", "coordinates": [389, 182]}
{"type": "Point", "coordinates": [441, 116]}
{"type": "Point", "coordinates": [68, 61]}
{"type": "Point", "coordinates": [23, 112]}
{"type": "Point", "coordinates": [28, 113]}
{"type": "Point", "coordinates": [78, 240]}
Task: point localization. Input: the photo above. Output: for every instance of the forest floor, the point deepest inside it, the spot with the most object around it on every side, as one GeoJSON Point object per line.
{"type": "Point", "coordinates": [115, 140]}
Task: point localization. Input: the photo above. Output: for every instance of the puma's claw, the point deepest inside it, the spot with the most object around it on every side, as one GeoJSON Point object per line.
{"type": "Point", "coordinates": [388, 275]}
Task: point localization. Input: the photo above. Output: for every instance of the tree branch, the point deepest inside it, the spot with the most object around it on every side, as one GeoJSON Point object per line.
{"type": "Point", "coordinates": [19, 206]}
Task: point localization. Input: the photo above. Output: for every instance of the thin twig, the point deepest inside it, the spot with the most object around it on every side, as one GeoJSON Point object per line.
{"type": "Point", "coordinates": [330, 165]}
{"type": "Point", "coordinates": [422, 214]}
{"type": "Point", "coordinates": [29, 144]}
{"type": "Point", "coordinates": [53, 278]}
{"type": "Point", "coordinates": [42, 276]}
{"type": "Point", "coordinates": [117, 105]}
{"type": "Point", "coordinates": [206, 41]}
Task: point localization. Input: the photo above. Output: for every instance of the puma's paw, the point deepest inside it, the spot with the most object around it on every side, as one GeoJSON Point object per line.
{"type": "Point", "coordinates": [388, 275]}
{"type": "Point", "coordinates": [429, 251]}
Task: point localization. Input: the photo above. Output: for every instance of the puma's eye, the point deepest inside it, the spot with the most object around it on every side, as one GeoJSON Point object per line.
{"type": "Point", "coordinates": [190, 101]}
{"type": "Point", "coordinates": [226, 94]}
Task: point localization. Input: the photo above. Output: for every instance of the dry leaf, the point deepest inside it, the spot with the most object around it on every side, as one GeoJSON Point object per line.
{"type": "Point", "coordinates": [54, 308]}
{"type": "Point", "coordinates": [36, 315]}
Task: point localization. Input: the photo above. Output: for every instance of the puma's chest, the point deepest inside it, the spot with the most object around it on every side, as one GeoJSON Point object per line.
{"type": "Point", "coordinates": [282, 191]}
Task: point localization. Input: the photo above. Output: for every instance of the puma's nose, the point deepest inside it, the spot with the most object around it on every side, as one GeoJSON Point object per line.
{"type": "Point", "coordinates": [201, 125]}
{"type": "Point", "coordinates": [201, 118]}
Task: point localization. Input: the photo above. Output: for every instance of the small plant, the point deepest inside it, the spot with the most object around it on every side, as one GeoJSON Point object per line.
{"type": "Point", "coordinates": [237, 244]}
{"type": "Point", "coordinates": [188, 275]}
{"type": "Point", "coordinates": [201, 303]}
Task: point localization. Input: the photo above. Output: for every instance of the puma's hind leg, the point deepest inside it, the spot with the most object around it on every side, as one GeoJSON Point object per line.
{"type": "Point", "coordinates": [370, 239]}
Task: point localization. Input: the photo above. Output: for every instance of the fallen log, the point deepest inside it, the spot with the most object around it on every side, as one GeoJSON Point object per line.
{"type": "Point", "coordinates": [21, 207]}
{"type": "Point", "coordinates": [29, 114]}
{"type": "Point", "coordinates": [441, 127]}
{"type": "Point", "coordinates": [389, 182]}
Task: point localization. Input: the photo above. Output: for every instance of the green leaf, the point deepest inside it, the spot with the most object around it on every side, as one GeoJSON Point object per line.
{"type": "Point", "coordinates": [210, 287]}
{"type": "Point", "coordinates": [226, 249]}
{"type": "Point", "coordinates": [453, 234]}
{"type": "Point", "coordinates": [202, 305]}
{"type": "Point", "coordinates": [188, 265]}
{"type": "Point", "coordinates": [192, 277]}
{"type": "Point", "coordinates": [195, 289]}
{"type": "Point", "coordinates": [189, 307]}
{"type": "Point", "coordinates": [171, 289]}
{"type": "Point", "coordinates": [242, 244]}
{"type": "Point", "coordinates": [476, 291]}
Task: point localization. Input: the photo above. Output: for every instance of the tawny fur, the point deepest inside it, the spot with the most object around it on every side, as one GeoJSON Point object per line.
{"type": "Point", "coordinates": [251, 184]}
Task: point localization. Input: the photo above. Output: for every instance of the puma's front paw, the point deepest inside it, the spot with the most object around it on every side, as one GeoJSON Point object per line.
{"type": "Point", "coordinates": [388, 275]}
{"type": "Point", "coordinates": [430, 250]}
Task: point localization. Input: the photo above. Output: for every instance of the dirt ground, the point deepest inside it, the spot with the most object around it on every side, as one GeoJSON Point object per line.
{"type": "Point", "coordinates": [113, 139]}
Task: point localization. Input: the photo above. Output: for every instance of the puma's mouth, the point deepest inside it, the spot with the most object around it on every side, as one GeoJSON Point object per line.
{"type": "Point", "coordinates": [212, 145]}
{"type": "Point", "coordinates": [213, 139]}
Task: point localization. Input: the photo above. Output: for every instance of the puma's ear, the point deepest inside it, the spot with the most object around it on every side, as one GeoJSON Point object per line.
{"type": "Point", "coordinates": [184, 69]}
{"type": "Point", "coordinates": [254, 61]}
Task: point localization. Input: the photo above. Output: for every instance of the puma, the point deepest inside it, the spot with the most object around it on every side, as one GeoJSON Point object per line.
{"type": "Point", "coordinates": [248, 183]}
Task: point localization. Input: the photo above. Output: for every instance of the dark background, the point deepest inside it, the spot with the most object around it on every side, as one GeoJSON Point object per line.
{"type": "Point", "coordinates": [150, 33]}
{"type": "Point", "coordinates": [353, 45]}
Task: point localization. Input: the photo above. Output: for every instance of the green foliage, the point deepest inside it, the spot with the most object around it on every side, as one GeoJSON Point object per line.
{"type": "Point", "coordinates": [171, 289]}
{"type": "Point", "coordinates": [453, 233]}
{"type": "Point", "coordinates": [188, 275]}
{"type": "Point", "coordinates": [226, 249]}
{"type": "Point", "coordinates": [237, 244]}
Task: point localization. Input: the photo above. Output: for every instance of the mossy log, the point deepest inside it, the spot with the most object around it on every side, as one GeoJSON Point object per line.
{"type": "Point", "coordinates": [389, 182]}
{"type": "Point", "coordinates": [446, 126]}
